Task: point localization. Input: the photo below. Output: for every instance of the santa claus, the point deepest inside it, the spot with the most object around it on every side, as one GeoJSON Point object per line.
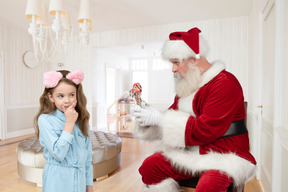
{"type": "Point", "coordinates": [203, 133]}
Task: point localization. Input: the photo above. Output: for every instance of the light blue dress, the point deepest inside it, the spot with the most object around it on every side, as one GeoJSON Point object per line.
{"type": "Point", "coordinates": [68, 156]}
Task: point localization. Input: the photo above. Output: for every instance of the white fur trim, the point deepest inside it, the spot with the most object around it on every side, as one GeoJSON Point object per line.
{"type": "Point", "coordinates": [191, 161]}
{"type": "Point", "coordinates": [149, 133]}
{"type": "Point", "coordinates": [173, 49]}
{"type": "Point", "coordinates": [167, 185]}
{"type": "Point", "coordinates": [173, 128]}
{"type": "Point", "coordinates": [176, 49]}
{"type": "Point", "coordinates": [186, 104]}
{"type": "Point", "coordinates": [212, 72]}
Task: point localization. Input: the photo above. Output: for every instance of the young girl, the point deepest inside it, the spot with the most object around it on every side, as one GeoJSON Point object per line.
{"type": "Point", "coordinates": [62, 127]}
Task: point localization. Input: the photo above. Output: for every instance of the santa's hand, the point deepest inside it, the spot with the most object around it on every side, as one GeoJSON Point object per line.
{"type": "Point", "coordinates": [147, 115]}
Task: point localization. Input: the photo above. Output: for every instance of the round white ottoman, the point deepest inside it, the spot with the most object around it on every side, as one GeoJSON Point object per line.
{"type": "Point", "coordinates": [106, 156]}
{"type": "Point", "coordinates": [106, 153]}
{"type": "Point", "coordinates": [30, 160]}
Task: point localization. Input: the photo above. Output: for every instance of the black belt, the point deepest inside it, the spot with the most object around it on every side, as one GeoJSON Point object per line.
{"type": "Point", "coordinates": [236, 128]}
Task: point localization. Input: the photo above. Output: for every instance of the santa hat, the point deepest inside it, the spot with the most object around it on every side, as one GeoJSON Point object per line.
{"type": "Point", "coordinates": [182, 45]}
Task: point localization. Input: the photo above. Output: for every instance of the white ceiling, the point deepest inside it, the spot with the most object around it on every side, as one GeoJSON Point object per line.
{"type": "Point", "coordinates": [110, 15]}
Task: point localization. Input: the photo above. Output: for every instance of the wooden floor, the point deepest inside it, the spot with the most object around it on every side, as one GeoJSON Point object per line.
{"type": "Point", "coordinates": [125, 179]}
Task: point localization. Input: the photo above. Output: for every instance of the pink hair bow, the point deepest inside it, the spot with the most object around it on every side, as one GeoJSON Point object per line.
{"type": "Point", "coordinates": [75, 76]}
{"type": "Point", "coordinates": [52, 78]}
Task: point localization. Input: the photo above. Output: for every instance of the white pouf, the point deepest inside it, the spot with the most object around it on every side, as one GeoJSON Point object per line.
{"type": "Point", "coordinates": [106, 153]}
{"type": "Point", "coordinates": [30, 160]}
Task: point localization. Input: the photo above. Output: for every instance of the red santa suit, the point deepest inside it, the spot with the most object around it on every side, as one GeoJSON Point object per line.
{"type": "Point", "coordinates": [191, 130]}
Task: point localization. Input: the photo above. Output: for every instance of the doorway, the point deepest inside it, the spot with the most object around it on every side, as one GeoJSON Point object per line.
{"type": "Point", "coordinates": [112, 94]}
{"type": "Point", "coordinates": [112, 85]}
{"type": "Point", "coordinates": [269, 115]}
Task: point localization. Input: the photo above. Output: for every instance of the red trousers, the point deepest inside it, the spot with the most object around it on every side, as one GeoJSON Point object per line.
{"type": "Point", "coordinates": [157, 168]}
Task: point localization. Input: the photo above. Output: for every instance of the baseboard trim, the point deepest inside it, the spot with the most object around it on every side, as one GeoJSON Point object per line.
{"type": "Point", "coordinates": [10, 135]}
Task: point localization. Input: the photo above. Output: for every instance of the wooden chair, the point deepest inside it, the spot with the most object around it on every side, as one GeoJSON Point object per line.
{"type": "Point", "coordinates": [189, 185]}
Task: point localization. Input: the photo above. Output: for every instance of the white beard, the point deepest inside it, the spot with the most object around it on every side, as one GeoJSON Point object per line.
{"type": "Point", "coordinates": [186, 84]}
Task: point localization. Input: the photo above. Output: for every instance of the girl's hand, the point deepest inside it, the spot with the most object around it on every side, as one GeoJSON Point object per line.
{"type": "Point", "coordinates": [70, 113]}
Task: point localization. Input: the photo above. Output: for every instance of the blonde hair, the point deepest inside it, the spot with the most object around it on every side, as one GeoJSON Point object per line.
{"type": "Point", "coordinates": [46, 106]}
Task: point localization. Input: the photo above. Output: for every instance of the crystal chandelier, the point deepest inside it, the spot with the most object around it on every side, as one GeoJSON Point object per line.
{"type": "Point", "coordinates": [57, 40]}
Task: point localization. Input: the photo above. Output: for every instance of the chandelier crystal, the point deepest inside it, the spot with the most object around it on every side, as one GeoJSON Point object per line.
{"type": "Point", "coordinates": [57, 40]}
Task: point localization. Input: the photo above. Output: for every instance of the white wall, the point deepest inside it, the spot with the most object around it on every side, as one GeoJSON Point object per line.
{"type": "Point", "coordinates": [21, 87]}
{"type": "Point", "coordinates": [1, 95]}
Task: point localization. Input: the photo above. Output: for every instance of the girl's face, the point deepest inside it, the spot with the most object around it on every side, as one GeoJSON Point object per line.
{"type": "Point", "coordinates": [63, 96]}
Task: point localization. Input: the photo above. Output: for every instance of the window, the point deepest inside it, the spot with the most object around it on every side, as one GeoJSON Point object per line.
{"type": "Point", "coordinates": [159, 64]}
{"type": "Point", "coordinates": [139, 64]}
